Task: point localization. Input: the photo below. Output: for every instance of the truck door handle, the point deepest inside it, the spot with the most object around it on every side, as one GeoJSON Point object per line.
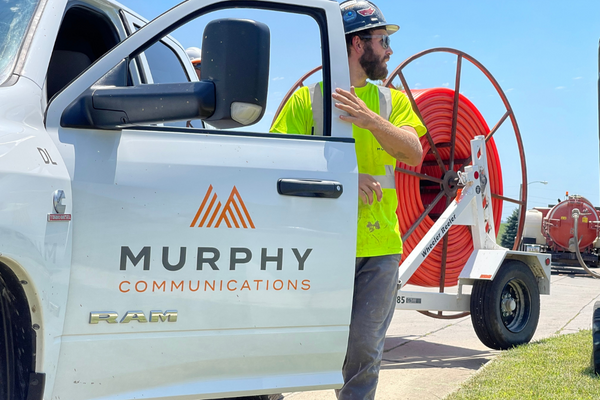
{"type": "Point", "coordinates": [309, 188]}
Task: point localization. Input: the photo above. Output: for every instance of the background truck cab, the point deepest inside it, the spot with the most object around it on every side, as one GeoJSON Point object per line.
{"type": "Point", "coordinates": [144, 258]}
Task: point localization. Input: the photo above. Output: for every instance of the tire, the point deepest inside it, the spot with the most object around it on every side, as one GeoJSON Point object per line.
{"type": "Point", "coordinates": [596, 338]}
{"type": "Point", "coordinates": [506, 310]}
{"type": "Point", "coordinates": [16, 342]}
{"type": "Point", "coordinates": [7, 361]}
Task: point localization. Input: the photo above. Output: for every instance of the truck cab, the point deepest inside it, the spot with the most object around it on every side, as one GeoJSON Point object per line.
{"type": "Point", "coordinates": [156, 241]}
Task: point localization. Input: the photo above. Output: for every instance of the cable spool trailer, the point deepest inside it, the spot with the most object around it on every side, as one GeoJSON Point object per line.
{"type": "Point", "coordinates": [504, 301]}
{"type": "Point", "coordinates": [506, 284]}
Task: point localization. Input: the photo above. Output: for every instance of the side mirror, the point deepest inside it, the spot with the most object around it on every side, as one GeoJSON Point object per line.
{"type": "Point", "coordinates": [232, 93]}
{"type": "Point", "coordinates": [235, 57]}
{"type": "Point", "coordinates": [111, 104]}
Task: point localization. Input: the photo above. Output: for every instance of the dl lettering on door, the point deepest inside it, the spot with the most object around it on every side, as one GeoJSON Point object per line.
{"type": "Point", "coordinates": [46, 156]}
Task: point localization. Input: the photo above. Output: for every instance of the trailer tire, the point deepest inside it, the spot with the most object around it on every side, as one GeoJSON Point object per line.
{"type": "Point", "coordinates": [506, 310]}
{"type": "Point", "coordinates": [596, 338]}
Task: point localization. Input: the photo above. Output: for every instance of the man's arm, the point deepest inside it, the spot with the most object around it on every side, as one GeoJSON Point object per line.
{"type": "Point", "coordinates": [402, 143]}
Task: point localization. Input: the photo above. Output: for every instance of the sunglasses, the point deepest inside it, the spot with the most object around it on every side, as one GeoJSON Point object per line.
{"type": "Point", "coordinates": [385, 40]}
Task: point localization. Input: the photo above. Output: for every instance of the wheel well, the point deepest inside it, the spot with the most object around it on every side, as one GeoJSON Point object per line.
{"type": "Point", "coordinates": [542, 273]}
{"type": "Point", "coordinates": [17, 333]}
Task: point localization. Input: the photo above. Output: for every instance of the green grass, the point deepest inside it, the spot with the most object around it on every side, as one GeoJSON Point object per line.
{"type": "Point", "coordinates": [500, 232]}
{"type": "Point", "coordinates": [555, 368]}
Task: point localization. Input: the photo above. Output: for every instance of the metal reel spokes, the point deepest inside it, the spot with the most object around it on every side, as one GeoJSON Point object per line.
{"type": "Point", "coordinates": [425, 191]}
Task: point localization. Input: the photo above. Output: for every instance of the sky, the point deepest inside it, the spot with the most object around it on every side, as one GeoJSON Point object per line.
{"type": "Point", "coordinates": [544, 55]}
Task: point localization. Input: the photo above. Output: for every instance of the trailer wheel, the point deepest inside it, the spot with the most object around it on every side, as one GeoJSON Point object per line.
{"type": "Point", "coordinates": [596, 338]}
{"type": "Point", "coordinates": [506, 310]}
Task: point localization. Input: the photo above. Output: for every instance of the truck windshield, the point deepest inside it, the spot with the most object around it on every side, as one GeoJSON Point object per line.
{"type": "Point", "coordinates": [14, 19]}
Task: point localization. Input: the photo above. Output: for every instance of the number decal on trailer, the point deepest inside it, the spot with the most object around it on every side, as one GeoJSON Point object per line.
{"type": "Point", "coordinates": [408, 300]}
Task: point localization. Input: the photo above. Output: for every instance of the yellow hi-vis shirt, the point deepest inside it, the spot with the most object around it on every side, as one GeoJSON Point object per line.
{"type": "Point", "coordinates": [378, 230]}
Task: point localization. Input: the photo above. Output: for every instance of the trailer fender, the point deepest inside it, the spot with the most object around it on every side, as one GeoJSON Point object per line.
{"type": "Point", "coordinates": [484, 264]}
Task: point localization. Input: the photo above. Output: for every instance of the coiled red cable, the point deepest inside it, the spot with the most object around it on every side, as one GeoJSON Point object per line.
{"type": "Point", "coordinates": [414, 195]}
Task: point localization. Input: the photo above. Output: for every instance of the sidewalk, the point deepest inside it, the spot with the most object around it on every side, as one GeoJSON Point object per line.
{"type": "Point", "coordinates": [428, 358]}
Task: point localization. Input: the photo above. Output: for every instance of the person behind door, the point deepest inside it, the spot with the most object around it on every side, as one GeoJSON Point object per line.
{"type": "Point", "coordinates": [195, 55]}
{"type": "Point", "coordinates": [385, 129]}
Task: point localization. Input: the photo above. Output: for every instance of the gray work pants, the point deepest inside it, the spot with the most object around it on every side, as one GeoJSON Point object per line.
{"type": "Point", "coordinates": [375, 288]}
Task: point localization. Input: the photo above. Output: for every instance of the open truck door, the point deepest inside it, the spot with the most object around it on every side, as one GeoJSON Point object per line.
{"type": "Point", "coordinates": [191, 273]}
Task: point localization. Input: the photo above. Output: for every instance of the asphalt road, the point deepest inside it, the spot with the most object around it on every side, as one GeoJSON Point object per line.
{"type": "Point", "coordinates": [428, 358]}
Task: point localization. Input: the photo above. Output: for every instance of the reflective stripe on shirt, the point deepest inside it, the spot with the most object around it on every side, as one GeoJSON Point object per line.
{"type": "Point", "coordinates": [316, 100]}
{"type": "Point", "coordinates": [387, 181]}
{"type": "Point", "coordinates": [385, 102]}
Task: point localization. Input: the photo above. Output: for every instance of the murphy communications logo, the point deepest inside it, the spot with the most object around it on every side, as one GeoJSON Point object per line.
{"type": "Point", "coordinates": [211, 214]}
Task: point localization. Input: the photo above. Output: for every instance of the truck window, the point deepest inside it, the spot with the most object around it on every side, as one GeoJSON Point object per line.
{"type": "Point", "coordinates": [296, 47]}
{"type": "Point", "coordinates": [161, 63]}
{"type": "Point", "coordinates": [164, 64]}
{"type": "Point", "coordinates": [295, 50]}
{"type": "Point", "coordinates": [15, 16]}
{"type": "Point", "coordinates": [84, 36]}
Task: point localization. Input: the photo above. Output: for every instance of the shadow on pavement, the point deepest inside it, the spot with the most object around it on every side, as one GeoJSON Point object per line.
{"type": "Point", "coordinates": [422, 354]}
{"type": "Point", "coordinates": [572, 271]}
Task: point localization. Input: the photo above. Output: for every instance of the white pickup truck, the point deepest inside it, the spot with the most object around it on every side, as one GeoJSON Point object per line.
{"type": "Point", "coordinates": [144, 258]}
{"type": "Point", "coordinates": [157, 242]}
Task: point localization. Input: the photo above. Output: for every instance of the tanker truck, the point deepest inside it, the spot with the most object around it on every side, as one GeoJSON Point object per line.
{"type": "Point", "coordinates": [552, 230]}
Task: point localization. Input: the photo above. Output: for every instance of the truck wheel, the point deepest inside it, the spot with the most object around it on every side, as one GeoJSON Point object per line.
{"type": "Point", "coordinates": [596, 338]}
{"type": "Point", "coordinates": [6, 345]}
{"type": "Point", "coordinates": [506, 310]}
{"type": "Point", "coordinates": [16, 340]}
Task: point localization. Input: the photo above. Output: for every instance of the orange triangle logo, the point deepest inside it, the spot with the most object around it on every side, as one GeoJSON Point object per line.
{"type": "Point", "coordinates": [211, 213]}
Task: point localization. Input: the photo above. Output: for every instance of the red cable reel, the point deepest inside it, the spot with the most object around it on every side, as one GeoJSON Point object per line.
{"type": "Point", "coordinates": [451, 121]}
{"type": "Point", "coordinates": [424, 188]}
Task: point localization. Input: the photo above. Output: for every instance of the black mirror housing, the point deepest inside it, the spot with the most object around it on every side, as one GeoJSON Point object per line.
{"type": "Point", "coordinates": [232, 93]}
{"type": "Point", "coordinates": [120, 107]}
{"type": "Point", "coordinates": [235, 57]}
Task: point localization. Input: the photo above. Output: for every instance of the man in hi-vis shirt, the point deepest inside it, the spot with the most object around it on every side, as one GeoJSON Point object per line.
{"type": "Point", "coordinates": [385, 129]}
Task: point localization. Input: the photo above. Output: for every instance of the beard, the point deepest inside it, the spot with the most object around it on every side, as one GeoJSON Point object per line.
{"type": "Point", "coordinates": [374, 67]}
